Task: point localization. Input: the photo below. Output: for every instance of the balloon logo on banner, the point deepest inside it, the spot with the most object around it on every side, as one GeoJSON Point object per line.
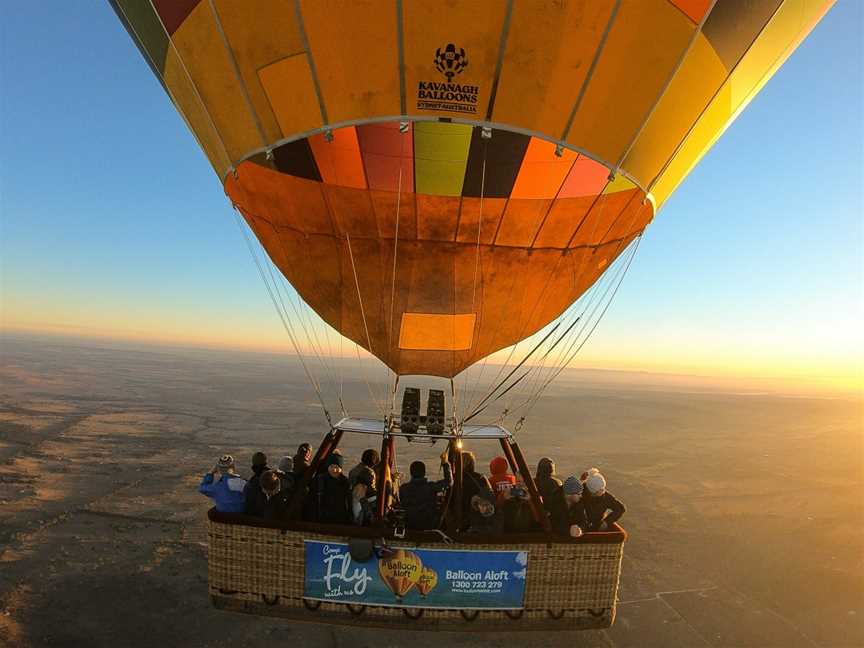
{"type": "Point", "coordinates": [400, 572]}
{"type": "Point", "coordinates": [427, 582]}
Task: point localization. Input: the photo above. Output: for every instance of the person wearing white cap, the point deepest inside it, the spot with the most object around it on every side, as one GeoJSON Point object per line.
{"type": "Point", "coordinates": [602, 508]}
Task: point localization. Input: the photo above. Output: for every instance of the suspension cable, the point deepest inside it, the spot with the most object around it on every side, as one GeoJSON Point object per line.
{"type": "Point", "coordinates": [569, 359]}
{"type": "Point", "coordinates": [282, 317]}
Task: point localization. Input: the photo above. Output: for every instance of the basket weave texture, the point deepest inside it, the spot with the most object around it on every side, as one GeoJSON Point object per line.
{"type": "Point", "coordinates": [260, 570]}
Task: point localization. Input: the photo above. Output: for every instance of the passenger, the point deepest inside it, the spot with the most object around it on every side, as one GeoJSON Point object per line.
{"type": "Point", "coordinates": [259, 465]}
{"type": "Point", "coordinates": [367, 464]}
{"type": "Point", "coordinates": [473, 483]}
{"type": "Point", "coordinates": [500, 479]}
{"type": "Point", "coordinates": [517, 516]}
{"type": "Point", "coordinates": [285, 472]}
{"type": "Point", "coordinates": [567, 509]}
{"type": "Point", "coordinates": [224, 486]}
{"type": "Point", "coordinates": [271, 502]}
{"type": "Point", "coordinates": [419, 497]}
{"type": "Point", "coordinates": [546, 481]}
{"type": "Point", "coordinates": [601, 507]}
{"type": "Point", "coordinates": [363, 498]}
{"type": "Point", "coordinates": [302, 459]}
{"type": "Point", "coordinates": [332, 495]}
{"type": "Point", "coordinates": [483, 518]}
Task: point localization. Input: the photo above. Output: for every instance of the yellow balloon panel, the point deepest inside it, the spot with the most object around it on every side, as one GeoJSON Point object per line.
{"type": "Point", "coordinates": [645, 44]}
{"type": "Point", "coordinates": [785, 31]}
{"type": "Point", "coordinates": [260, 33]}
{"type": "Point", "coordinates": [474, 29]}
{"type": "Point", "coordinates": [204, 57]}
{"type": "Point", "coordinates": [549, 51]}
{"type": "Point", "coordinates": [360, 77]}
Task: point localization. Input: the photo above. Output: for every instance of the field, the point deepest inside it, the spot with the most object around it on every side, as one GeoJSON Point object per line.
{"type": "Point", "coordinates": [745, 510]}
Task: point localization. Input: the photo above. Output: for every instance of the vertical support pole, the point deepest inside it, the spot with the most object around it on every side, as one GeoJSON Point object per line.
{"type": "Point", "coordinates": [508, 453]}
{"type": "Point", "coordinates": [457, 488]}
{"type": "Point", "coordinates": [392, 469]}
{"type": "Point", "coordinates": [536, 504]}
{"type": "Point", "coordinates": [383, 477]}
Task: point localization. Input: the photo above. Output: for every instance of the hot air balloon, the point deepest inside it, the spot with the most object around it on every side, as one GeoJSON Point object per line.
{"type": "Point", "coordinates": [439, 182]}
{"type": "Point", "coordinates": [400, 571]}
{"type": "Point", "coordinates": [427, 581]}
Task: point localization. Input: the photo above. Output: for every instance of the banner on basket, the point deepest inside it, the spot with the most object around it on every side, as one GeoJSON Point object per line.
{"type": "Point", "coordinates": [425, 578]}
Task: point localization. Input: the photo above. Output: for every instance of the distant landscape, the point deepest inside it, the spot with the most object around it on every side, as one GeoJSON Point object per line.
{"type": "Point", "coordinates": [745, 508]}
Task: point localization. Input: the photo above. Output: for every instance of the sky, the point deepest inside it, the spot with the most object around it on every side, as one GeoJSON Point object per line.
{"type": "Point", "coordinates": [113, 224]}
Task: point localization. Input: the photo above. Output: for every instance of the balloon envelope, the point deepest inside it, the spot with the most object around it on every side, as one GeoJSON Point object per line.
{"type": "Point", "coordinates": [441, 180]}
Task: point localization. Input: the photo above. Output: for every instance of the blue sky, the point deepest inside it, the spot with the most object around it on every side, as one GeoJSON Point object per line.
{"type": "Point", "coordinates": [114, 223]}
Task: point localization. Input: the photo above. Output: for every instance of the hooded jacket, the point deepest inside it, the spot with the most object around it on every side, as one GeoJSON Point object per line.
{"type": "Point", "coordinates": [500, 480]}
{"type": "Point", "coordinates": [226, 493]}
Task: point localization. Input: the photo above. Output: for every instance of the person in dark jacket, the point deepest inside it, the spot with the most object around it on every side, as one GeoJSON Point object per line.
{"type": "Point", "coordinates": [270, 499]}
{"type": "Point", "coordinates": [483, 517]}
{"type": "Point", "coordinates": [473, 483]}
{"type": "Point", "coordinates": [602, 508]}
{"type": "Point", "coordinates": [368, 461]}
{"type": "Point", "coordinates": [567, 509]}
{"type": "Point", "coordinates": [285, 472]}
{"type": "Point", "coordinates": [516, 513]}
{"type": "Point", "coordinates": [302, 459]}
{"type": "Point", "coordinates": [547, 482]}
{"type": "Point", "coordinates": [259, 465]}
{"type": "Point", "coordinates": [419, 497]}
{"type": "Point", "coordinates": [332, 494]}
{"type": "Point", "coordinates": [224, 486]}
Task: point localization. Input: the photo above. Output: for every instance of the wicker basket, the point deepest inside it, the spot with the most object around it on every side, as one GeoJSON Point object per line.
{"type": "Point", "coordinates": [258, 568]}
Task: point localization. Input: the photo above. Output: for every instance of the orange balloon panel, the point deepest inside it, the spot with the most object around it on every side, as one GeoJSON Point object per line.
{"type": "Point", "coordinates": [465, 276]}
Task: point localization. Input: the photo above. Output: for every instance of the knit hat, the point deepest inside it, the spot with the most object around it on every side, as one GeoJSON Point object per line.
{"type": "Point", "coordinates": [286, 464]}
{"type": "Point", "coordinates": [335, 460]}
{"type": "Point", "coordinates": [226, 463]}
{"type": "Point", "coordinates": [595, 482]}
{"type": "Point", "coordinates": [270, 483]}
{"type": "Point", "coordinates": [259, 459]}
{"type": "Point", "coordinates": [498, 466]}
{"type": "Point", "coordinates": [572, 486]}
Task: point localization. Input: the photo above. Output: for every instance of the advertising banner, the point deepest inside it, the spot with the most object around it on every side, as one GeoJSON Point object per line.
{"type": "Point", "coordinates": [427, 578]}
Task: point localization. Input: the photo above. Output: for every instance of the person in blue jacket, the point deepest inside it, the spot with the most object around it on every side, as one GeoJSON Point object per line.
{"type": "Point", "coordinates": [224, 486]}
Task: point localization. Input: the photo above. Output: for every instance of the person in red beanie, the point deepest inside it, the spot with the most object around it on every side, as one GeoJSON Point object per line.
{"type": "Point", "coordinates": [500, 479]}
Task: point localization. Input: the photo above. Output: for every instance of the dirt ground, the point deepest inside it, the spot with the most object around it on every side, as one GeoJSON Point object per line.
{"type": "Point", "coordinates": [745, 511]}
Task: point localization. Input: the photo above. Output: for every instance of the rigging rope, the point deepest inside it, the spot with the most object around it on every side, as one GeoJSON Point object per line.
{"type": "Point", "coordinates": [282, 317]}
{"type": "Point", "coordinates": [533, 401]}
{"type": "Point", "coordinates": [603, 199]}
